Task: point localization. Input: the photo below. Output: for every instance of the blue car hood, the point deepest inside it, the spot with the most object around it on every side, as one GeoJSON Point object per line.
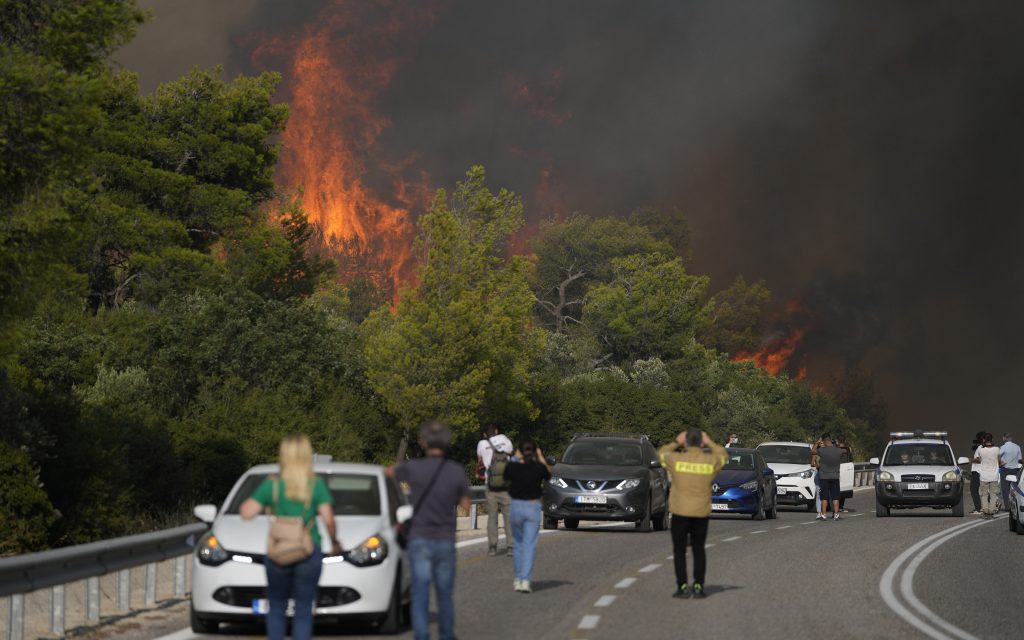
{"type": "Point", "coordinates": [730, 478]}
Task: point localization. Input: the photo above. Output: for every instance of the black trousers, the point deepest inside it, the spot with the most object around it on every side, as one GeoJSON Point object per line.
{"type": "Point", "coordinates": [975, 490]}
{"type": "Point", "coordinates": [696, 529]}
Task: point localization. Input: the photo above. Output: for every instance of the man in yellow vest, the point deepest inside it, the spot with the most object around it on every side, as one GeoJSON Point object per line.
{"type": "Point", "coordinates": [692, 460]}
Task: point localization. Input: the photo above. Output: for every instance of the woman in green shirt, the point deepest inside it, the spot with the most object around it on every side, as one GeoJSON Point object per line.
{"type": "Point", "coordinates": [300, 493]}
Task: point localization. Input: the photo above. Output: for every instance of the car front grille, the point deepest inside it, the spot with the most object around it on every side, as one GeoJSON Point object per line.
{"type": "Point", "coordinates": [915, 477]}
{"type": "Point", "coordinates": [243, 596]}
{"type": "Point", "coordinates": [598, 485]}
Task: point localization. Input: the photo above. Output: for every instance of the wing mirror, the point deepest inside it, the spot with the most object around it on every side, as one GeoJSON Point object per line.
{"type": "Point", "coordinates": [962, 460]}
{"type": "Point", "coordinates": [768, 472]}
{"type": "Point", "coordinates": [873, 461]}
{"type": "Point", "coordinates": [403, 513]}
{"type": "Point", "coordinates": [1011, 479]}
{"type": "Point", "coordinates": [550, 460]}
{"type": "Point", "coordinates": [205, 512]}
{"type": "Point", "coordinates": [655, 464]}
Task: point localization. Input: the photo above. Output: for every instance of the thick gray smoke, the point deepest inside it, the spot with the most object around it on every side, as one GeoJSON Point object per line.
{"type": "Point", "coordinates": [863, 157]}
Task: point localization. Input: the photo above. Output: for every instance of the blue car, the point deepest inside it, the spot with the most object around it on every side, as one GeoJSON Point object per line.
{"type": "Point", "coordinates": [745, 485]}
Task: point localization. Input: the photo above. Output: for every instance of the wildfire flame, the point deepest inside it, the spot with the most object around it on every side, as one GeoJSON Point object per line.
{"type": "Point", "coordinates": [776, 353]}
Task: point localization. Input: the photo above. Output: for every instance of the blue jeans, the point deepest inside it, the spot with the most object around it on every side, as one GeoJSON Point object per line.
{"type": "Point", "coordinates": [432, 560]}
{"type": "Point", "coordinates": [525, 516]}
{"type": "Point", "coordinates": [1004, 486]}
{"type": "Point", "coordinates": [299, 583]}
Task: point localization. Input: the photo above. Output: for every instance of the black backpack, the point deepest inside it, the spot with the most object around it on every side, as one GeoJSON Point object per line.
{"type": "Point", "coordinates": [496, 472]}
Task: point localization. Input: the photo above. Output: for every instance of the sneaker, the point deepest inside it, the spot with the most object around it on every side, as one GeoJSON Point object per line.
{"type": "Point", "coordinates": [835, 517]}
{"type": "Point", "coordinates": [682, 592]}
{"type": "Point", "coordinates": [492, 550]}
{"type": "Point", "coordinates": [842, 511]}
{"type": "Point", "coordinates": [698, 590]}
{"type": "Point", "coordinates": [517, 585]}
{"type": "Point", "coordinates": [976, 512]}
{"type": "Point", "coordinates": [820, 516]}
{"type": "Point", "coordinates": [524, 586]}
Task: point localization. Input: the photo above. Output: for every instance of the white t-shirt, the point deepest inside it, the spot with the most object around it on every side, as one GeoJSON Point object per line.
{"type": "Point", "coordinates": [988, 468]}
{"type": "Point", "coordinates": [501, 443]}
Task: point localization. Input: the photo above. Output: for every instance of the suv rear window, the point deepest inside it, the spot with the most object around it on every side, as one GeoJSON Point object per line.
{"type": "Point", "coordinates": [355, 494]}
{"type": "Point", "coordinates": [921, 454]}
{"type": "Point", "coordinates": [619, 454]}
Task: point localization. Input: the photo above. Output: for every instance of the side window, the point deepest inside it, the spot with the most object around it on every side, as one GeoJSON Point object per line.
{"type": "Point", "coordinates": [395, 499]}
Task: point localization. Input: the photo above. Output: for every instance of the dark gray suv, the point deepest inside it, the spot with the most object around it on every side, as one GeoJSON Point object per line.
{"type": "Point", "coordinates": [608, 476]}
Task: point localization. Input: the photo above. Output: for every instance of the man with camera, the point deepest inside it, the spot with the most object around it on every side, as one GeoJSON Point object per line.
{"type": "Point", "coordinates": [493, 453]}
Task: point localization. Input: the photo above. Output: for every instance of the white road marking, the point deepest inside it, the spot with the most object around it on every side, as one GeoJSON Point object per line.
{"type": "Point", "coordinates": [671, 558]}
{"type": "Point", "coordinates": [809, 522]}
{"type": "Point", "coordinates": [461, 544]}
{"type": "Point", "coordinates": [855, 515]}
{"type": "Point", "coordinates": [605, 601]}
{"type": "Point", "coordinates": [625, 583]}
{"type": "Point", "coordinates": [182, 634]}
{"type": "Point", "coordinates": [927, 622]}
{"type": "Point", "coordinates": [708, 546]}
{"type": "Point", "coordinates": [788, 526]}
{"type": "Point", "coordinates": [649, 568]}
{"type": "Point", "coordinates": [732, 538]}
{"type": "Point", "coordinates": [589, 622]}
{"type": "Point", "coordinates": [761, 531]}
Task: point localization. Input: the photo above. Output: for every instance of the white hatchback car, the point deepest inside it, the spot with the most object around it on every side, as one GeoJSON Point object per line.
{"type": "Point", "coordinates": [369, 581]}
{"type": "Point", "coordinates": [794, 475]}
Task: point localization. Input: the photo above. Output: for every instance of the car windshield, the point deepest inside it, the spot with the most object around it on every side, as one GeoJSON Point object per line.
{"type": "Point", "coordinates": [620, 454]}
{"type": "Point", "coordinates": [739, 462]}
{"type": "Point", "coordinates": [354, 494]}
{"type": "Point", "coordinates": [785, 453]}
{"type": "Point", "coordinates": [922, 454]}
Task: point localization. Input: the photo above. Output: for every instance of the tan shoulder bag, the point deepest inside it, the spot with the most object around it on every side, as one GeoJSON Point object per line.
{"type": "Point", "coordinates": [289, 541]}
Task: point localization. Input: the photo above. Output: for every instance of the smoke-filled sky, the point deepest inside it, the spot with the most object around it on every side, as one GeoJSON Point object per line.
{"type": "Point", "coordinates": [865, 158]}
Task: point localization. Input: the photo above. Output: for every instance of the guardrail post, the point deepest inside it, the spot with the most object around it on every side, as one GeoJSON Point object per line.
{"type": "Point", "coordinates": [179, 577]}
{"type": "Point", "coordinates": [472, 516]}
{"type": "Point", "coordinates": [150, 584]}
{"type": "Point", "coordinates": [124, 589]}
{"type": "Point", "coordinates": [92, 599]}
{"type": "Point", "coordinates": [16, 616]}
{"type": "Point", "coordinates": [57, 609]}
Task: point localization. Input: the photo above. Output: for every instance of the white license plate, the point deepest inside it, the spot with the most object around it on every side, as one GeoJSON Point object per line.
{"type": "Point", "coordinates": [718, 506]}
{"type": "Point", "coordinates": [592, 499]}
{"type": "Point", "coordinates": [261, 607]}
{"type": "Point", "coordinates": [781, 490]}
{"type": "Point", "coordinates": [917, 485]}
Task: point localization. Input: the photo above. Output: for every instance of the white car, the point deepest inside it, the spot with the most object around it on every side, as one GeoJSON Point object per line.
{"type": "Point", "coordinates": [369, 581]}
{"type": "Point", "coordinates": [918, 469]}
{"type": "Point", "coordinates": [794, 475]}
{"type": "Point", "coordinates": [1016, 505]}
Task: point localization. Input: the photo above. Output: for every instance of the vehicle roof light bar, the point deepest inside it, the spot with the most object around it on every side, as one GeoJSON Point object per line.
{"type": "Point", "coordinates": [903, 435]}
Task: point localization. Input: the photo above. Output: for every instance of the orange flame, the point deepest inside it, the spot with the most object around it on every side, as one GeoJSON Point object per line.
{"type": "Point", "coordinates": [775, 354]}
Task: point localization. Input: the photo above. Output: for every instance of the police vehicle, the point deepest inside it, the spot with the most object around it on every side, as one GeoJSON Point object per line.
{"type": "Point", "coordinates": [918, 469]}
{"type": "Point", "coordinates": [1016, 504]}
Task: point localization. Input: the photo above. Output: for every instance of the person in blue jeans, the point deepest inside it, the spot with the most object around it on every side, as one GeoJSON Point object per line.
{"type": "Point", "coordinates": [435, 486]}
{"type": "Point", "coordinates": [525, 478]}
{"type": "Point", "coordinates": [297, 492]}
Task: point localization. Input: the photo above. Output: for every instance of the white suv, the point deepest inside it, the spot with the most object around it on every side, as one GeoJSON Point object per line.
{"type": "Point", "coordinates": [1016, 505]}
{"type": "Point", "coordinates": [918, 469]}
{"type": "Point", "coordinates": [794, 475]}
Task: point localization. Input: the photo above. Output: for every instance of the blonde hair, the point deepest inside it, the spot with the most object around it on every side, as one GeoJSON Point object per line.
{"type": "Point", "coordinates": [296, 459]}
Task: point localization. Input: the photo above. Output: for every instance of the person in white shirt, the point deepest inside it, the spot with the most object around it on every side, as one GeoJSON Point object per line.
{"type": "Point", "coordinates": [987, 463]}
{"type": "Point", "coordinates": [497, 493]}
{"type": "Point", "coordinates": [1009, 457]}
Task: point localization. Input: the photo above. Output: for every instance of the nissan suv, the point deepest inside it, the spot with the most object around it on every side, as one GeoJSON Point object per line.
{"type": "Point", "coordinates": [608, 476]}
{"type": "Point", "coordinates": [918, 469]}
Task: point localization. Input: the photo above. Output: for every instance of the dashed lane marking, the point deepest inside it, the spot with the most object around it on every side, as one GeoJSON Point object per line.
{"type": "Point", "coordinates": [788, 526]}
{"type": "Point", "coordinates": [625, 583]}
{"type": "Point", "coordinates": [809, 522]}
{"type": "Point", "coordinates": [605, 601]}
{"type": "Point", "coordinates": [589, 622]}
{"type": "Point", "coordinates": [708, 546]}
{"type": "Point", "coordinates": [732, 538]}
{"type": "Point", "coordinates": [761, 531]}
{"type": "Point", "coordinates": [671, 558]}
{"type": "Point", "coordinates": [649, 568]}
{"type": "Point", "coordinates": [855, 515]}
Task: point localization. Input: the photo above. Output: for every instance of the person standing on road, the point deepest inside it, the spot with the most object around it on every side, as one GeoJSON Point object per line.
{"type": "Point", "coordinates": [1009, 459]}
{"type": "Point", "coordinates": [297, 492]}
{"type": "Point", "coordinates": [986, 460]}
{"type": "Point", "coordinates": [817, 479]}
{"type": "Point", "coordinates": [827, 459]}
{"type": "Point", "coordinates": [526, 477]}
{"type": "Point", "coordinates": [692, 462]}
{"type": "Point", "coordinates": [493, 452]}
{"type": "Point", "coordinates": [975, 478]}
{"type": "Point", "coordinates": [438, 486]}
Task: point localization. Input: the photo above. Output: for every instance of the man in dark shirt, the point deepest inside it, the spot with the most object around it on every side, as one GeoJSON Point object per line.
{"type": "Point", "coordinates": [827, 459]}
{"type": "Point", "coordinates": [436, 486]}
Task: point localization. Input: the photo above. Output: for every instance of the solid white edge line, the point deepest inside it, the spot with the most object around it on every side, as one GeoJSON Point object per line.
{"type": "Point", "coordinates": [589, 621]}
{"type": "Point", "coordinates": [885, 585]}
{"type": "Point", "coordinates": [182, 634]}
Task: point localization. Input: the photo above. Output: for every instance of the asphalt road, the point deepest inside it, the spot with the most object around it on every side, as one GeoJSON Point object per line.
{"type": "Point", "coordinates": [918, 574]}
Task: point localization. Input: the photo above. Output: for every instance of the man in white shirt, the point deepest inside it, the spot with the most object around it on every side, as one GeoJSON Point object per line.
{"type": "Point", "coordinates": [497, 492]}
{"type": "Point", "coordinates": [987, 463]}
{"type": "Point", "coordinates": [1009, 458]}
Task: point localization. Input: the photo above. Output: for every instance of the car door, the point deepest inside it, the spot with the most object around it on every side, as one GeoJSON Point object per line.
{"type": "Point", "coordinates": [846, 477]}
{"type": "Point", "coordinates": [659, 477]}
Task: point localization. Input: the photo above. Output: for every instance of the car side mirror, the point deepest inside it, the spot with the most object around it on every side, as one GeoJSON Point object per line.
{"type": "Point", "coordinates": [655, 464]}
{"type": "Point", "coordinates": [403, 513]}
{"type": "Point", "coordinates": [1011, 479]}
{"type": "Point", "coordinates": [768, 472]}
{"type": "Point", "coordinates": [873, 461]}
{"type": "Point", "coordinates": [551, 460]}
{"type": "Point", "coordinates": [962, 460]}
{"type": "Point", "coordinates": [205, 512]}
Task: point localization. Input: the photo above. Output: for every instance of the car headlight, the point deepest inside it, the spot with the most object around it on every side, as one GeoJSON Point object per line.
{"type": "Point", "coordinates": [209, 551]}
{"type": "Point", "coordinates": [807, 474]}
{"type": "Point", "coordinates": [749, 486]}
{"type": "Point", "coordinates": [885, 476]}
{"type": "Point", "coordinates": [628, 484]}
{"type": "Point", "coordinates": [558, 482]}
{"type": "Point", "coordinates": [949, 476]}
{"type": "Point", "coordinates": [372, 551]}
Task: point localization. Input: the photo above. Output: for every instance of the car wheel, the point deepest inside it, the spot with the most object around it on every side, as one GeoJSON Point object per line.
{"type": "Point", "coordinates": [1020, 525]}
{"type": "Point", "coordinates": [958, 508]}
{"type": "Point", "coordinates": [759, 509]}
{"type": "Point", "coordinates": [571, 523]}
{"type": "Point", "coordinates": [881, 511]}
{"type": "Point", "coordinates": [202, 625]}
{"type": "Point", "coordinates": [644, 523]}
{"type": "Point", "coordinates": [392, 621]}
{"type": "Point", "coordinates": [550, 523]}
{"type": "Point", "coordinates": [1013, 521]}
{"type": "Point", "coordinates": [773, 513]}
